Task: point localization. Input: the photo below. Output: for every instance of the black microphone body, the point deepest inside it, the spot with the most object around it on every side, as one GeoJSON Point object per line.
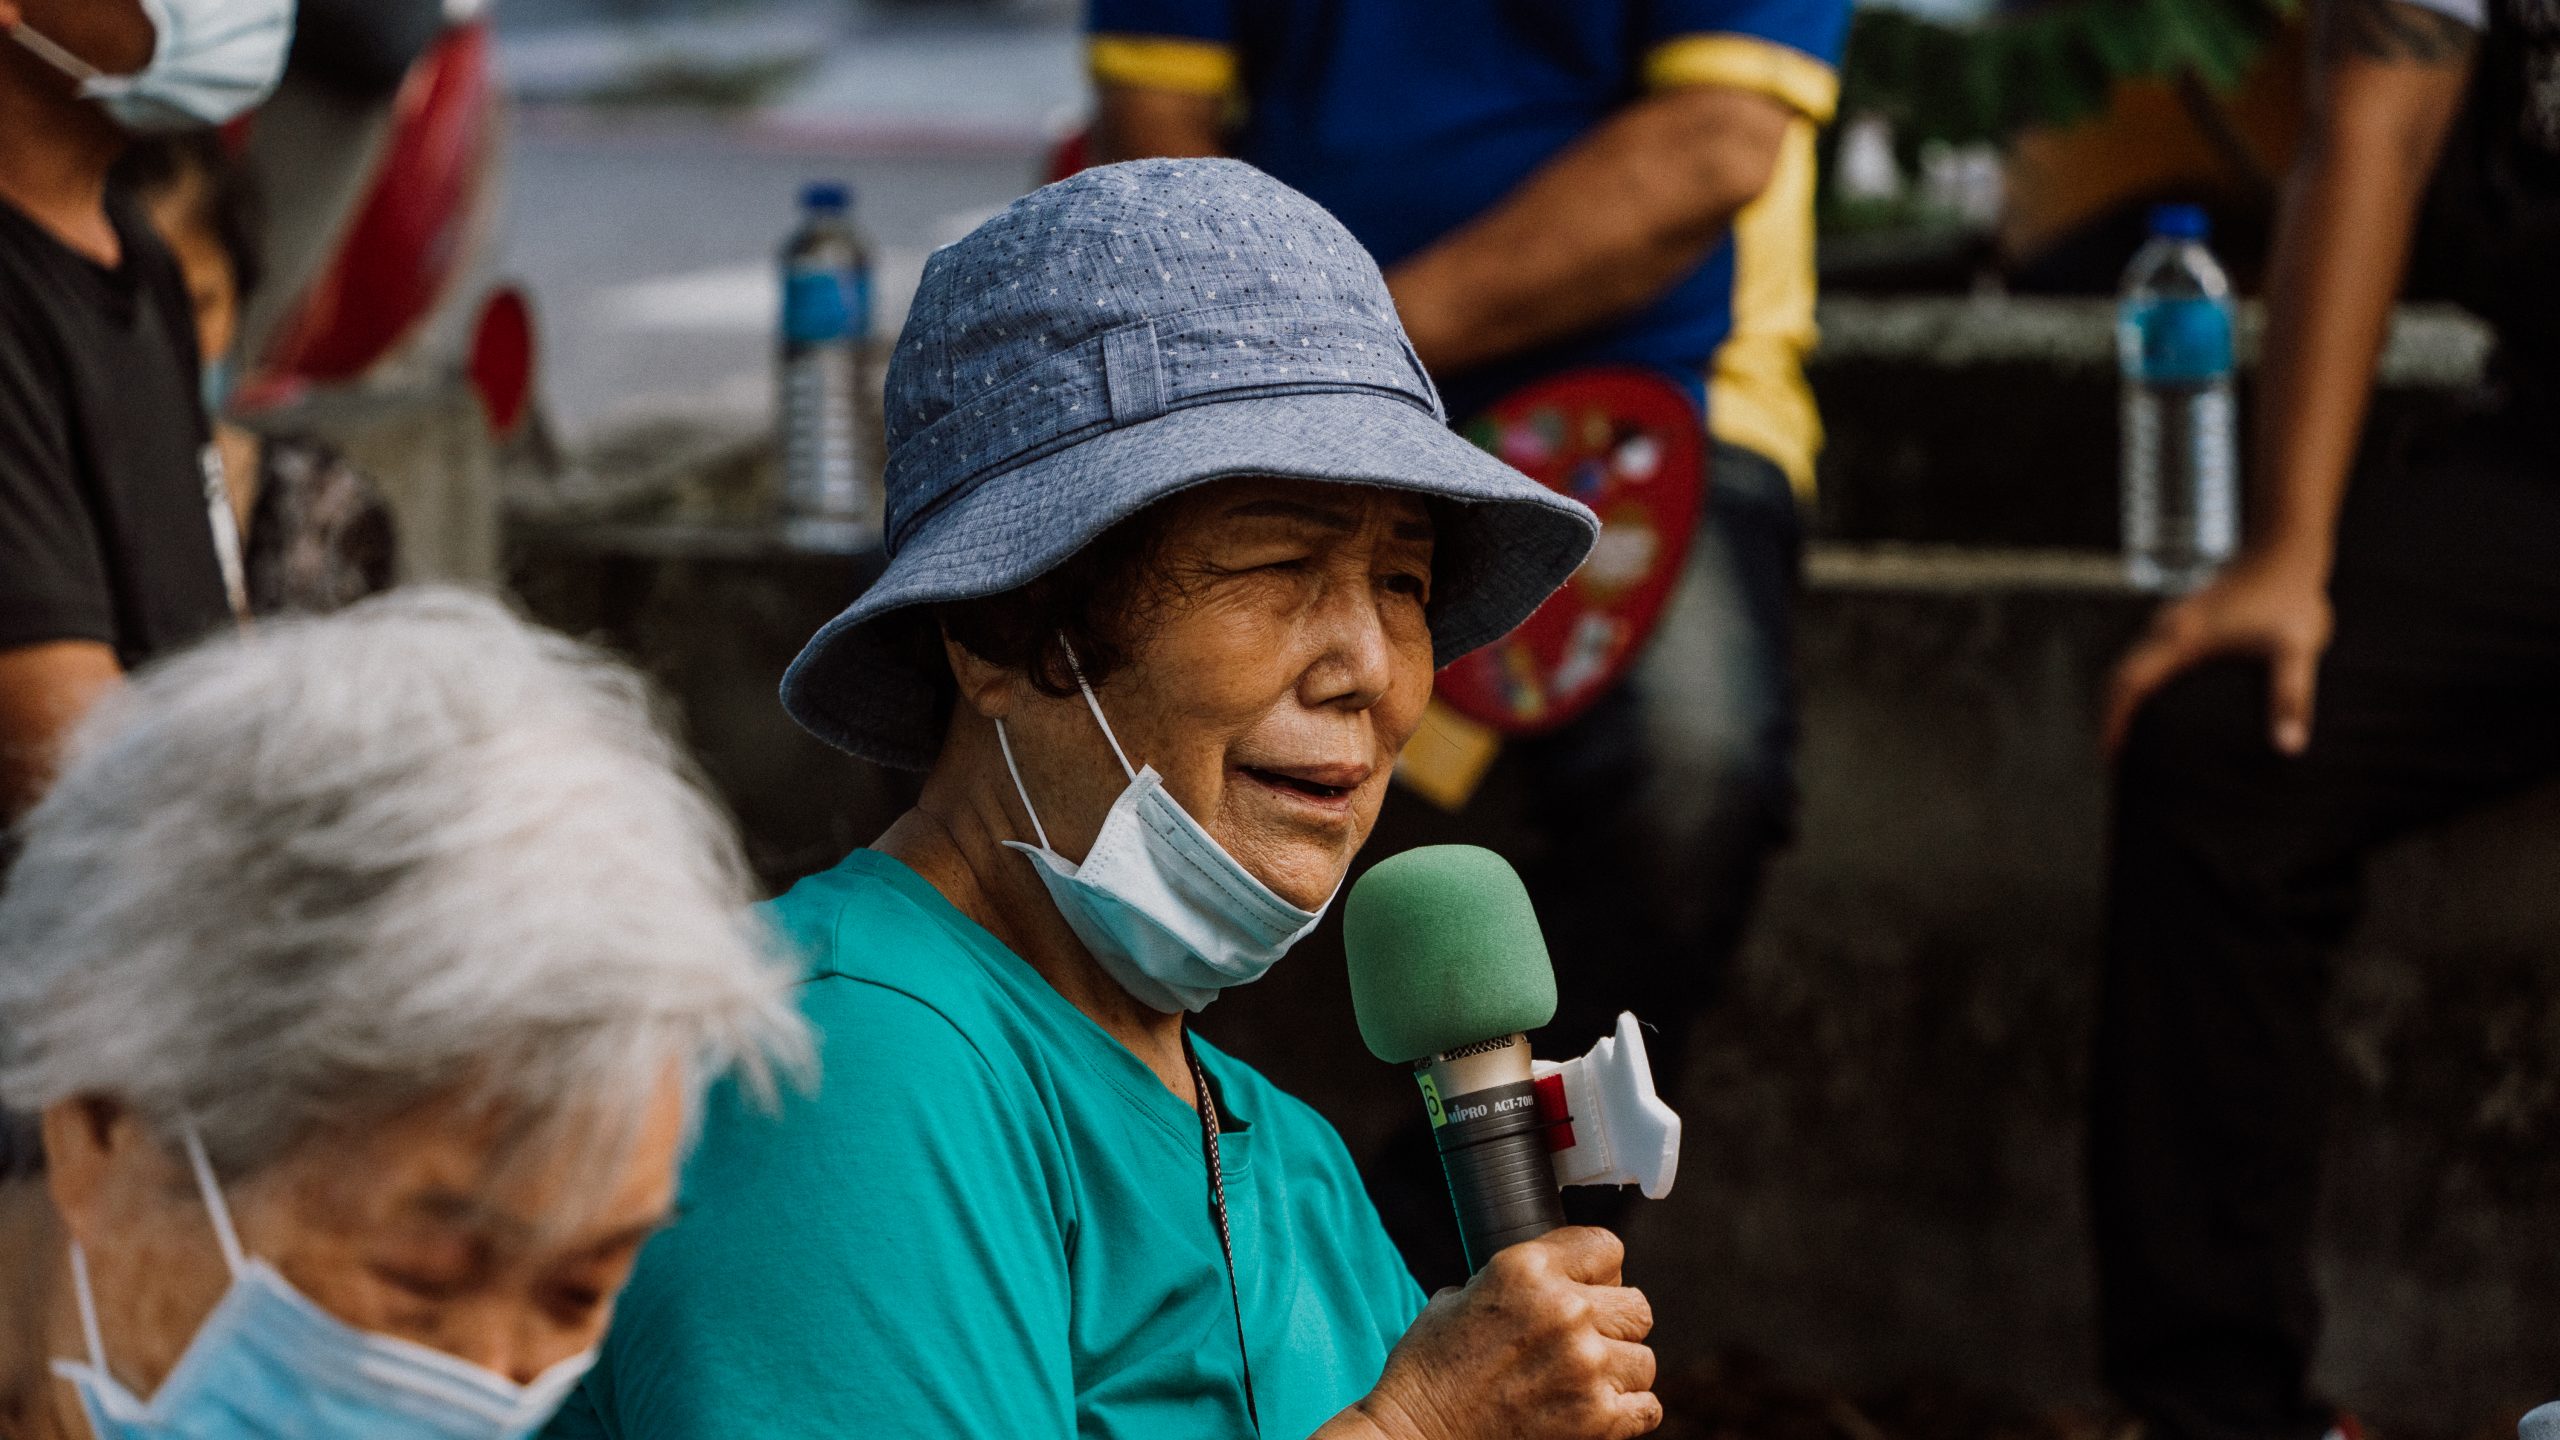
{"type": "Point", "coordinates": [1448, 973]}
{"type": "Point", "coordinates": [1493, 1146]}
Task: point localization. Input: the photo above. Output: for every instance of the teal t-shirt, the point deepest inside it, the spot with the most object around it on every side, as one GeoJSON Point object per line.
{"type": "Point", "coordinates": [991, 1222]}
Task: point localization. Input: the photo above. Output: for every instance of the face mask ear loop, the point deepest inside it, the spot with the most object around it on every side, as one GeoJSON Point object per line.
{"type": "Point", "coordinates": [213, 1202]}
{"type": "Point", "coordinates": [88, 1309]}
{"type": "Point", "coordinates": [1077, 670]}
{"type": "Point", "coordinates": [1019, 788]}
{"type": "Point", "coordinates": [55, 56]}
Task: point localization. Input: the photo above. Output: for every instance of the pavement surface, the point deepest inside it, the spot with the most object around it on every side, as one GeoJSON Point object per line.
{"type": "Point", "coordinates": [647, 232]}
{"type": "Point", "coordinates": [651, 254]}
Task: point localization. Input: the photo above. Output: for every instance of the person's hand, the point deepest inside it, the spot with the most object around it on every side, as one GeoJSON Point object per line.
{"type": "Point", "coordinates": [1543, 1344]}
{"type": "Point", "coordinates": [2258, 606]}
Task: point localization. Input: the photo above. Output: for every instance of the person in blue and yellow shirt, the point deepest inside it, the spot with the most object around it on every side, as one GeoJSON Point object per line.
{"type": "Point", "coordinates": [1550, 187]}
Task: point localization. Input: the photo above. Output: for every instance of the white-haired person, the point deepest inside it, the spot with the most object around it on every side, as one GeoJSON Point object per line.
{"type": "Point", "coordinates": [366, 974]}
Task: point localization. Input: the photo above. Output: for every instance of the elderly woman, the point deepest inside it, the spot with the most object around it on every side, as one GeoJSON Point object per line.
{"type": "Point", "coordinates": [1178, 535]}
{"type": "Point", "coordinates": [365, 973]}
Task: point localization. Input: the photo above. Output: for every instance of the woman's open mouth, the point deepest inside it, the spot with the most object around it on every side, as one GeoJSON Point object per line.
{"type": "Point", "coordinates": [1329, 786]}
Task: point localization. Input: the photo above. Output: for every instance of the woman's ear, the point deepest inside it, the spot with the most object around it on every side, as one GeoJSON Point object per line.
{"type": "Point", "coordinates": [85, 1139]}
{"type": "Point", "coordinates": [985, 687]}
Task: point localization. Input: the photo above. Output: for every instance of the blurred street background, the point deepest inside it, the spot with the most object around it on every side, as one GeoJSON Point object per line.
{"type": "Point", "coordinates": [937, 113]}
{"type": "Point", "coordinates": [1882, 1229]}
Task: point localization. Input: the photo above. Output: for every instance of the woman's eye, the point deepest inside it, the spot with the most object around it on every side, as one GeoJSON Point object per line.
{"type": "Point", "coordinates": [1417, 586]}
{"type": "Point", "coordinates": [416, 1284]}
{"type": "Point", "coordinates": [574, 1303]}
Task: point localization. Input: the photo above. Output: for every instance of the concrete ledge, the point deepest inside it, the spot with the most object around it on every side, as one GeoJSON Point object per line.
{"type": "Point", "coordinates": [2435, 346]}
{"type": "Point", "coordinates": [1991, 421]}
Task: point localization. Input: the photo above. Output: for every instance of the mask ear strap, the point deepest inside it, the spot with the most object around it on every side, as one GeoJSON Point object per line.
{"type": "Point", "coordinates": [1019, 788]}
{"type": "Point", "coordinates": [88, 1309]}
{"type": "Point", "coordinates": [213, 1201]}
{"type": "Point", "coordinates": [1076, 669]}
{"type": "Point", "coordinates": [54, 55]}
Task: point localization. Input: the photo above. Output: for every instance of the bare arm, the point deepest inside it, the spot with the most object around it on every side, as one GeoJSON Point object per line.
{"type": "Point", "coordinates": [44, 690]}
{"type": "Point", "coordinates": [2386, 84]}
{"type": "Point", "coordinates": [1598, 232]}
{"type": "Point", "coordinates": [1135, 124]}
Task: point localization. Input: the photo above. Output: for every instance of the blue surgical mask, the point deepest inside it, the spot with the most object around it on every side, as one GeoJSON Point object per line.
{"type": "Point", "coordinates": [217, 383]}
{"type": "Point", "coordinates": [1159, 904]}
{"type": "Point", "coordinates": [268, 1362]}
{"type": "Point", "coordinates": [211, 62]}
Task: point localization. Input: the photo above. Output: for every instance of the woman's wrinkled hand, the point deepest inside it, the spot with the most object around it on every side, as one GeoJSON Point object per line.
{"type": "Point", "coordinates": [1543, 1344]}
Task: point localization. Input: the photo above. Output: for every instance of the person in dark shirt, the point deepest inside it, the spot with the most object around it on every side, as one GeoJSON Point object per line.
{"type": "Point", "coordinates": [2380, 657]}
{"type": "Point", "coordinates": [316, 532]}
{"type": "Point", "coordinates": [114, 535]}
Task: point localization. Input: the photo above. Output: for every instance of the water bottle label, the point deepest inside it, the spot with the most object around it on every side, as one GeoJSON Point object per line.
{"type": "Point", "coordinates": [823, 305]}
{"type": "Point", "coordinates": [2183, 341]}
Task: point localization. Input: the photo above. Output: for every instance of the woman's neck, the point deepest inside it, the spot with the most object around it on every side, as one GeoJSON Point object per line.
{"type": "Point", "coordinates": [32, 1402]}
{"type": "Point", "coordinates": [954, 838]}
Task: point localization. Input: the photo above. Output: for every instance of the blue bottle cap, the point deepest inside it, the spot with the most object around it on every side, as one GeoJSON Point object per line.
{"type": "Point", "coordinates": [2180, 222]}
{"type": "Point", "coordinates": [825, 195]}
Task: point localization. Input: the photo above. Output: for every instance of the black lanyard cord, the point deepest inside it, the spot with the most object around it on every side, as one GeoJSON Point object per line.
{"type": "Point", "coordinates": [1218, 1211]}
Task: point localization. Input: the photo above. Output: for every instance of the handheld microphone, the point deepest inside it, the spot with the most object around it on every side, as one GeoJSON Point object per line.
{"type": "Point", "coordinates": [1448, 968]}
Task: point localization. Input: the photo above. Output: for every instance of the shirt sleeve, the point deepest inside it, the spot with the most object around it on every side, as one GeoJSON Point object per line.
{"type": "Point", "coordinates": [1186, 46]}
{"type": "Point", "coordinates": [881, 1259]}
{"type": "Point", "coordinates": [1788, 50]}
{"type": "Point", "coordinates": [53, 580]}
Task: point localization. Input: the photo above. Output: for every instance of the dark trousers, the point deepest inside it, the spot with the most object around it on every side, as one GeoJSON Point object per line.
{"type": "Point", "coordinates": [1656, 813]}
{"type": "Point", "coordinates": [2236, 873]}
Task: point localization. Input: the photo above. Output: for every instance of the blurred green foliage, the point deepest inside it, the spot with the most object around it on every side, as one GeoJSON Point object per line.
{"type": "Point", "coordinates": [1963, 84]}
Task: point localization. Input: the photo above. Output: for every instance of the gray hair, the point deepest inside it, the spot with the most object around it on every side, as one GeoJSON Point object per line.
{"type": "Point", "coordinates": [308, 878]}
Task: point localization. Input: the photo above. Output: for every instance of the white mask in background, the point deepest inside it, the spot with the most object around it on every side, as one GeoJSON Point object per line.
{"type": "Point", "coordinates": [269, 1362]}
{"type": "Point", "coordinates": [211, 62]}
{"type": "Point", "coordinates": [1165, 909]}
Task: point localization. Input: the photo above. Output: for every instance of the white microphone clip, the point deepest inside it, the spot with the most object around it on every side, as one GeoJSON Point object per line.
{"type": "Point", "coordinates": [1618, 1131]}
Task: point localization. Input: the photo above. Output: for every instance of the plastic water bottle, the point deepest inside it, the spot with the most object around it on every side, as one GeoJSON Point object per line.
{"type": "Point", "coordinates": [826, 318]}
{"type": "Point", "coordinates": [2181, 432]}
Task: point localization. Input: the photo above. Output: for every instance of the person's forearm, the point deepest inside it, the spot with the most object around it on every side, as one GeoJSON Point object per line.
{"type": "Point", "coordinates": [1134, 124]}
{"type": "Point", "coordinates": [2342, 245]}
{"type": "Point", "coordinates": [1600, 231]}
{"type": "Point", "coordinates": [44, 692]}
{"type": "Point", "coordinates": [1364, 1421]}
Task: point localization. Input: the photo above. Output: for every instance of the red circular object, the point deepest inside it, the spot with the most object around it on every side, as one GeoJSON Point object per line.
{"type": "Point", "coordinates": [502, 351]}
{"type": "Point", "coordinates": [1629, 444]}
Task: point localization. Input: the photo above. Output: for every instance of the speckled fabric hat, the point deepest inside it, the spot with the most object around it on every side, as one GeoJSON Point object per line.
{"type": "Point", "coordinates": [1123, 335]}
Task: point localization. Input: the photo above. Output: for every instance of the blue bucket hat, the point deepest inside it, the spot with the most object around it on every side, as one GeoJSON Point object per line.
{"type": "Point", "coordinates": [1121, 336]}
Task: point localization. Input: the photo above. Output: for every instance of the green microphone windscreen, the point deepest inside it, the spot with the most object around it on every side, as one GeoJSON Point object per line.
{"type": "Point", "coordinates": [1444, 951]}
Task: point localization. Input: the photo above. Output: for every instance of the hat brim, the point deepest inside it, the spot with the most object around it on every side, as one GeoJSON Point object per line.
{"type": "Point", "coordinates": [1514, 541]}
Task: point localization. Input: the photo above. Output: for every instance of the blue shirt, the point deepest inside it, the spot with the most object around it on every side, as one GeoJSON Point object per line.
{"type": "Point", "coordinates": [991, 1222]}
{"type": "Point", "coordinates": [1407, 120]}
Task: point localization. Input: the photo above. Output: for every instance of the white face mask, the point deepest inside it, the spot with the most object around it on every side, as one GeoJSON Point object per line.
{"type": "Point", "coordinates": [1165, 909]}
{"type": "Point", "coordinates": [269, 1362]}
{"type": "Point", "coordinates": [211, 61]}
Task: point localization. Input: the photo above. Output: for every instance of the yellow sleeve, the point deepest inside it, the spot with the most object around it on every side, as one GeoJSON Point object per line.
{"type": "Point", "coordinates": [1159, 62]}
{"type": "Point", "coordinates": [1747, 62]}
